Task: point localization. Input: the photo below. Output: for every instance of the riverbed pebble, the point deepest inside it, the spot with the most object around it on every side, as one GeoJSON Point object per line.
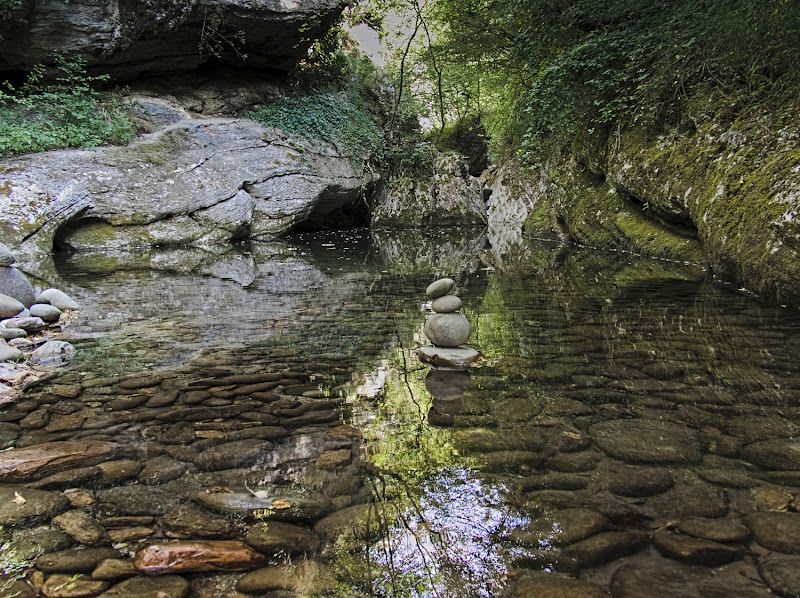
{"type": "Point", "coordinates": [58, 299]}
{"type": "Point", "coordinates": [48, 313]}
{"type": "Point", "coordinates": [13, 283]}
{"type": "Point", "coordinates": [9, 307]}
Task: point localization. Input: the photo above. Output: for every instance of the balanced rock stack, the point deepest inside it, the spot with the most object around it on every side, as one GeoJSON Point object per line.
{"type": "Point", "coordinates": [447, 329]}
{"type": "Point", "coordinates": [22, 313]}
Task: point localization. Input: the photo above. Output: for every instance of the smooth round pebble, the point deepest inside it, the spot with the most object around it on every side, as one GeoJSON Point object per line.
{"type": "Point", "coordinates": [11, 333]}
{"type": "Point", "coordinates": [9, 307]}
{"type": "Point", "coordinates": [14, 284]}
{"type": "Point", "coordinates": [446, 304]}
{"type": "Point", "coordinates": [57, 299]}
{"type": "Point", "coordinates": [439, 288]}
{"type": "Point", "coordinates": [447, 330]}
{"type": "Point", "coordinates": [48, 313]}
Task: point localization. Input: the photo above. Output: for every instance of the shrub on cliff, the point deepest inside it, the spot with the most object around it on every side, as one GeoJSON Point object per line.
{"type": "Point", "coordinates": [67, 112]}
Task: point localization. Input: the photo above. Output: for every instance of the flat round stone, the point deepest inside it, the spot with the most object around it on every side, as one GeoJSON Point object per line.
{"type": "Point", "coordinates": [446, 304]}
{"type": "Point", "coordinates": [448, 357]}
{"type": "Point", "coordinates": [439, 288]}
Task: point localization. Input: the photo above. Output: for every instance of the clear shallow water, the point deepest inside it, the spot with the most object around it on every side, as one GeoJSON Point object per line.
{"type": "Point", "coordinates": [624, 408]}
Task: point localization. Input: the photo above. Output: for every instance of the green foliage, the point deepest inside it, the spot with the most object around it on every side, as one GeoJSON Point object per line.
{"type": "Point", "coordinates": [216, 37]}
{"type": "Point", "coordinates": [7, 7]}
{"type": "Point", "coordinates": [341, 118]}
{"type": "Point", "coordinates": [66, 113]}
{"type": "Point", "coordinates": [541, 70]}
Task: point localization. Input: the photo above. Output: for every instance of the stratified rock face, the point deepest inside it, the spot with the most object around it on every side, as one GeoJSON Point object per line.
{"type": "Point", "coordinates": [129, 37]}
{"type": "Point", "coordinates": [197, 182]}
{"type": "Point", "coordinates": [722, 190]}
{"type": "Point", "coordinates": [451, 197]}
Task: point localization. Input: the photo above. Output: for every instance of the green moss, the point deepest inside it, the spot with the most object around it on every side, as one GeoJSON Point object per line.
{"type": "Point", "coordinates": [651, 238]}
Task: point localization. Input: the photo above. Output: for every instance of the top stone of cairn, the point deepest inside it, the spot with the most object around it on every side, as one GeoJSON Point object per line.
{"type": "Point", "coordinates": [439, 288]}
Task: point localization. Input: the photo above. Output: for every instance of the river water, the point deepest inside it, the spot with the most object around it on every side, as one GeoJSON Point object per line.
{"type": "Point", "coordinates": [631, 428]}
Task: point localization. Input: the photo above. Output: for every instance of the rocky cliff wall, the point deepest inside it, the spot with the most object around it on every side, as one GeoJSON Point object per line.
{"type": "Point", "coordinates": [722, 190]}
{"type": "Point", "coordinates": [192, 182]}
{"type": "Point", "coordinates": [125, 38]}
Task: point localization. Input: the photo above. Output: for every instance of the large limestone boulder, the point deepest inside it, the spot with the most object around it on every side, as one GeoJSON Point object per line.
{"type": "Point", "coordinates": [127, 37]}
{"type": "Point", "coordinates": [450, 197]}
{"type": "Point", "coordinates": [196, 182]}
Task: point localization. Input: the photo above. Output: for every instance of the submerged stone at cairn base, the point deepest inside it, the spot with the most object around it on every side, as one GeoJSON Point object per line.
{"type": "Point", "coordinates": [446, 304]}
{"type": "Point", "coordinates": [447, 330]}
{"type": "Point", "coordinates": [439, 288]}
{"type": "Point", "coordinates": [449, 357]}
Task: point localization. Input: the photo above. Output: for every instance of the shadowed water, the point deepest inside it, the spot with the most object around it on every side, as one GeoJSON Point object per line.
{"type": "Point", "coordinates": [631, 429]}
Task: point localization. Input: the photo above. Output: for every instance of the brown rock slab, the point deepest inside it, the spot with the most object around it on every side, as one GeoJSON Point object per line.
{"type": "Point", "coordinates": [778, 453]}
{"type": "Point", "coordinates": [34, 462]}
{"type": "Point", "coordinates": [129, 534]}
{"type": "Point", "coordinates": [553, 586]}
{"type": "Point", "coordinates": [632, 480]}
{"type": "Point", "coordinates": [776, 531]}
{"type": "Point", "coordinates": [562, 527]}
{"type": "Point", "coordinates": [782, 573]}
{"type": "Point", "coordinates": [448, 357]}
{"type": "Point", "coordinates": [118, 471]}
{"type": "Point", "coordinates": [71, 586]}
{"type": "Point", "coordinates": [668, 579]}
{"type": "Point", "coordinates": [114, 570]}
{"type": "Point", "coordinates": [334, 459]}
{"type": "Point", "coordinates": [694, 551]}
{"type": "Point", "coordinates": [684, 501]}
{"type": "Point", "coordinates": [716, 530]}
{"type": "Point", "coordinates": [165, 586]}
{"type": "Point", "coordinates": [20, 505]}
{"type": "Point", "coordinates": [196, 556]}
{"type": "Point", "coordinates": [307, 578]}
{"type": "Point", "coordinates": [192, 520]}
{"type": "Point", "coordinates": [234, 454]}
{"type": "Point", "coordinates": [82, 560]}
{"type": "Point", "coordinates": [82, 528]}
{"type": "Point", "coordinates": [69, 478]}
{"type": "Point", "coordinates": [648, 441]}
{"type": "Point", "coordinates": [600, 549]}
{"type": "Point", "coordinates": [281, 539]}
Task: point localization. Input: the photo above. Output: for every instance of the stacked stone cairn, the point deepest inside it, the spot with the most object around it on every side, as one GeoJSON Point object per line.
{"type": "Point", "coordinates": [447, 329]}
{"type": "Point", "coordinates": [26, 318]}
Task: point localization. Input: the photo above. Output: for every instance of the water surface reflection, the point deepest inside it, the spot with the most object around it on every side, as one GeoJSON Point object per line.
{"type": "Point", "coordinates": [633, 421]}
